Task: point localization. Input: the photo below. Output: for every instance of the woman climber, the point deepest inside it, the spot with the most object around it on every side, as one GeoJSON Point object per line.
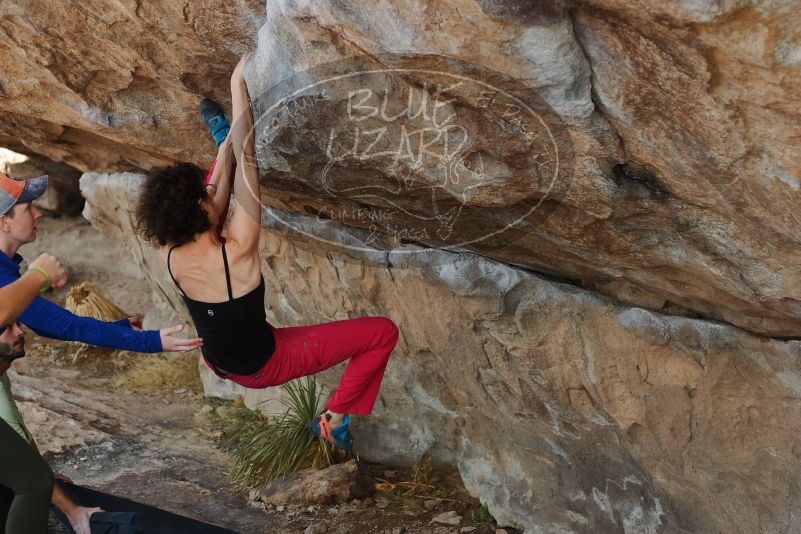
{"type": "Point", "coordinates": [222, 285]}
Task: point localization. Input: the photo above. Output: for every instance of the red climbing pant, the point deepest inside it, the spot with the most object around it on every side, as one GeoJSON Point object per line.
{"type": "Point", "coordinates": [306, 350]}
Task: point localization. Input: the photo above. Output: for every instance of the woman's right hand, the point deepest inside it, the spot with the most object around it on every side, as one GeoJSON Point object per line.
{"type": "Point", "coordinates": [52, 266]}
{"type": "Point", "coordinates": [171, 343]}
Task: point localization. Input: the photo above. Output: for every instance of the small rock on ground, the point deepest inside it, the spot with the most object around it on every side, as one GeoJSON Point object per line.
{"type": "Point", "coordinates": [430, 504]}
{"type": "Point", "coordinates": [448, 518]}
{"type": "Point", "coordinates": [338, 483]}
{"type": "Point", "coordinates": [317, 528]}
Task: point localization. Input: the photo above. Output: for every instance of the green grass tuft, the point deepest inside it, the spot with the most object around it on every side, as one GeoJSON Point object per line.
{"type": "Point", "coordinates": [482, 515]}
{"type": "Point", "coordinates": [268, 447]}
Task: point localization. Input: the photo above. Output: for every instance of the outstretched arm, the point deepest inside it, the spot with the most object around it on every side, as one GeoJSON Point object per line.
{"type": "Point", "coordinates": [50, 320]}
{"type": "Point", "coordinates": [246, 220]}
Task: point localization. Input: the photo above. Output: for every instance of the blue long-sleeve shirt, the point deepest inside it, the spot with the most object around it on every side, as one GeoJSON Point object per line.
{"type": "Point", "coordinates": [53, 321]}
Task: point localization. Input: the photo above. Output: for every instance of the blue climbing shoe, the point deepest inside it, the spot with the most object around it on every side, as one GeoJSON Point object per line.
{"type": "Point", "coordinates": [213, 117]}
{"type": "Point", "coordinates": [338, 436]}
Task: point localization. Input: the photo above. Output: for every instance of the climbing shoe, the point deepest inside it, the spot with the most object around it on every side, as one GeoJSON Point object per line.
{"type": "Point", "coordinates": [213, 117]}
{"type": "Point", "coordinates": [339, 436]}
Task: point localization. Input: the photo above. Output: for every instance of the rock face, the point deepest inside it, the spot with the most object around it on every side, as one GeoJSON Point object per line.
{"type": "Point", "coordinates": [420, 158]}
{"type": "Point", "coordinates": [648, 152]}
{"type": "Point", "coordinates": [677, 180]}
{"type": "Point", "coordinates": [561, 408]}
{"type": "Point", "coordinates": [105, 84]}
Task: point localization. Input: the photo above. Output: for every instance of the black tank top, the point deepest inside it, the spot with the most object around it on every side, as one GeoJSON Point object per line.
{"type": "Point", "coordinates": [236, 336]}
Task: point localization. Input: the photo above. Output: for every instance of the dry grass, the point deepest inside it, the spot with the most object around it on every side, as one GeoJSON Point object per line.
{"type": "Point", "coordinates": [149, 374]}
{"type": "Point", "coordinates": [422, 485]}
{"type": "Point", "coordinates": [89, 300]}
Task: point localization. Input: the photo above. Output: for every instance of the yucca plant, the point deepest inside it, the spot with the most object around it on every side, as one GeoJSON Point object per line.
{"type": "Point", "coordinates": [268, 447]}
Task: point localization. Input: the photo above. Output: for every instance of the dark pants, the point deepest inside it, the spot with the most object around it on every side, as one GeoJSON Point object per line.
{"type": "Point", "coordinates": [26, 485]}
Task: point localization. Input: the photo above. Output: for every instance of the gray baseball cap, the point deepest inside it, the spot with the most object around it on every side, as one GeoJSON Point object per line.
{"type": "Point", "coordinates": [19, 191]}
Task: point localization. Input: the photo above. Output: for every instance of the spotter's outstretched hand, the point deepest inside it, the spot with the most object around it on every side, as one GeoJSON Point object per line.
{"type": "Point", "coordinates": [171, 343]}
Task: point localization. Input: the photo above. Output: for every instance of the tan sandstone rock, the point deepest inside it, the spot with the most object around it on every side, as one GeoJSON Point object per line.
{"type": "Point", "coordinates": [339, 483]}
{"type": "Point", "coordinates": [677, 184]}
{"type": "Point", "coordinates": [656, 160]}
{"type": "Point", "coordinates": [106, 84]}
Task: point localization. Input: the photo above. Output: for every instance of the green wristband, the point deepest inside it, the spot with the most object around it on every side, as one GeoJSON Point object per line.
{"type": "Point", "coordinates": [46, 277]}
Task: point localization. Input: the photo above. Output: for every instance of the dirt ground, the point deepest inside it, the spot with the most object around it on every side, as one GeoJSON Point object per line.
{"type": "Point", "coordinates": [152, 447]}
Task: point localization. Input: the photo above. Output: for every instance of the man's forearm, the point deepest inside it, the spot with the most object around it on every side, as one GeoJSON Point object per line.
{"type": "Point", "coordinates": [18, 295]}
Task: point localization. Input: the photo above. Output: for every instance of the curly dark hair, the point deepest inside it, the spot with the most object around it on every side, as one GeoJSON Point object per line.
{"type": "Point", "coordinates": [169, 209]}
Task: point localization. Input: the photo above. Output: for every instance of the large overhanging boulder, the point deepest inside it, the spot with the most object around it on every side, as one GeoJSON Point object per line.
{"type": "Point", "coordinates": [657, 161]}
{"type": "Point", "coordinates": [674, 126]}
